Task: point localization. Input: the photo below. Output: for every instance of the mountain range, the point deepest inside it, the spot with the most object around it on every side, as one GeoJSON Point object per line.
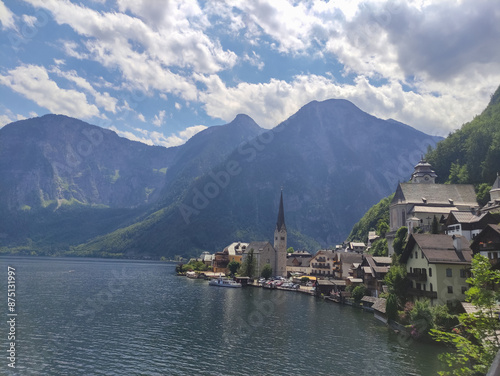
{"type": "Point", "coordinates": [68, 187]}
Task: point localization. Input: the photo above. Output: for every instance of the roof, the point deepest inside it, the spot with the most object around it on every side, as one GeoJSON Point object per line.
{"type": "Point", "coordinates": [467, 217]}
{"type": "Point", "coordinates": [484, 236]}
{"type": "Point", "coordinates": [382, 260]}
{"type": "Point", "coordinates": [357, 244]}
{"type": "Point", "coordinates": [379, 305]}
{"type": "Point", "coordinates": [280, 223]}
{"type": "Point", "coordinates": [355, 280]}
{"type": "Point", "coordinates": [325, 282]}
{"type": "Point", "coordinates": [350, 257]}
{"type": "Point", "coordinates": [257, 246]}
{"type": "Point", "coordinates": [496, 184]}
{"type": "Point", "coordinates": [439, 249]}
{"type": "Point", "coordinates": [367, 270]}
{"type": "Point", "coordinates": [235, 248]}
{"type": "Point", "coordinates": [369, 299]}
{"type": "Point", "coordinates": [436, 194]}
{"type": "Point", "coordinates": [324, 252]}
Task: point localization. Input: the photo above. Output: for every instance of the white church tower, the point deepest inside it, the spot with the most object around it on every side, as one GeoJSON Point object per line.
{"type": "Point", "coordinates": [280, 241]}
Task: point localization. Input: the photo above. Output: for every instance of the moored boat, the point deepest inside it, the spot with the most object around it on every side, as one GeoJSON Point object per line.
{"type": "Point", "coordinates": [221, 282]}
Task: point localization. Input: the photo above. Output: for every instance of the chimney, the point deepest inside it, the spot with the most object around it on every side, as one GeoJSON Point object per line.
{"type": "Point", "coordinates": [457, 243]}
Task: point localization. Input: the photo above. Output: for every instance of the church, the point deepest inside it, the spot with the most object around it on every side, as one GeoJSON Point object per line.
{"type": "Point", "coordinates": [416, 203]}
{"type": "Point", "coordinates": [274, 255]}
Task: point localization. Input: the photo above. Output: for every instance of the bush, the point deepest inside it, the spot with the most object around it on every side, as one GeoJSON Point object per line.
{"type": "Point", "coordinates": [358, 292]}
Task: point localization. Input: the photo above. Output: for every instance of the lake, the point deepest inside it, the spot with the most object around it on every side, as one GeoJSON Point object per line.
{"type": "Point", "coordinates": [118, 317]}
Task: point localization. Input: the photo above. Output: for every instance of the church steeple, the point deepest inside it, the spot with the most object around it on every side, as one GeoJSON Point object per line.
{"type": "Point", "coordinates": [280, 223]}
{"type": "Point", "coordinates": [423, 173]}
{"type": "Point", "coordinates": [280, 241]}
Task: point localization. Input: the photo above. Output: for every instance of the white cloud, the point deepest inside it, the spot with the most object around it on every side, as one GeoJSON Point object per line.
{"type": "Point", "coordinates": [34, 83]}
{"type": "Point", "coordinates": [141, 117]}
{"type": "Point", "coordinates": [272, 102]}
{"type": "Point", "coordinates": [157, 138]}
{"type": "Point", "coordinates": [178, 106]}
{"type": "Point", "coordinates": [6, 17]}
{"type": "Point", "coordinates": [159, 119]}
{"type": "Point", "coordinates": [102, 100]}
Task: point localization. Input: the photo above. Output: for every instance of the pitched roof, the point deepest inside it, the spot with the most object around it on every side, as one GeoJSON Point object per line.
{"type": "Point", "coordinates": [436, 194]}
{"type": "Point", "coordinates": [439, 249]}
{"type": "Point", "coordinates": [496, 184]}
{"type": "Point", "coordinates": [467, 217]}
{"type": "Point", "coordinates": [380, 305]}
{"type": "Point", "coordinates": [350, 257]}
{"type": "Point", "coordinates": [257, 246]}
{"type": "Point", "coordinates": [380, 260]}
{"type": "Point", "coordinates": [280, 223]}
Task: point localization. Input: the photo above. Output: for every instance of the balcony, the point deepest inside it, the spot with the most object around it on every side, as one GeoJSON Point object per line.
{"type": "Point", "coordinates": [420, 277]}
{"type": "Point", "coordinates": [422, 293]}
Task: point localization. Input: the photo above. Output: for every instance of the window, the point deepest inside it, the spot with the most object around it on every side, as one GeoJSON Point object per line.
{"type": "Point", "coordinates": [421, 254]}
{"type": "Point", "coordinates": [463, 273]}
{"type": "Point", "coordinates": [411, 270]}
{"type": "Point", "coordinates": [464, 289]}
{"type": "Point", "coordinates": [449, 272]}
{"type": "Point", "coordinates": [430, 287]}
{"type": "Point", "coordinates": [430, 272]}
{"type": "Point", "coordinates": [423, 285]}
{"type": "Point", "coordinates": [450, 289]}
{"type": "Point", "coordinates": [416, 254]}
{"type": "Point", "coordinates": [282, 238]}
{"type": "Point", "coordinates": [419, 286]}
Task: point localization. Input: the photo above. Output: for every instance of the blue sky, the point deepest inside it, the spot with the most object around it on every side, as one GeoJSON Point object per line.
{"type": "Point", "coordinates": [161, 71]}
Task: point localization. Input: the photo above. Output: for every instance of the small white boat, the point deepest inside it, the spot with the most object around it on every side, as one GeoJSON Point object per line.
{"type": "Point", "coordinates": [221, 282]}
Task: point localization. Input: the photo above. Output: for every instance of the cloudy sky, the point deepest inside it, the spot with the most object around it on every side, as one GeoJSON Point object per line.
{"type": "Point", "coordinates": [160, 71]}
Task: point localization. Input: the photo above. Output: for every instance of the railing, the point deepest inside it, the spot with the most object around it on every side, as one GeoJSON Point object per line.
{"type": "Point", "coordinates": [418, 276]}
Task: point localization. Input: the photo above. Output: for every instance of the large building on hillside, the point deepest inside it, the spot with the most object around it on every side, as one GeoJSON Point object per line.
{"type": "Point", "coordinates": [416, 203]}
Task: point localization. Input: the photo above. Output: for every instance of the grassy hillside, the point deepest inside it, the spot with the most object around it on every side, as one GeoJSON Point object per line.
{"type": "Point", "coordinates": [472, 153]}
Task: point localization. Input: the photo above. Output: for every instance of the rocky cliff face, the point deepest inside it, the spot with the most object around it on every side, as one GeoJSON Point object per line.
{"type": "Point", "coordinates": [56, 159]}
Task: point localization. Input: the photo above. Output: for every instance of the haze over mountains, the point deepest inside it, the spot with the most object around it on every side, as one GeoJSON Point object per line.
{"type": "Point", "coordinates": [71, 187]}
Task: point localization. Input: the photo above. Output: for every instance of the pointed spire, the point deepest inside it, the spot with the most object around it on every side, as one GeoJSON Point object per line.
{"type": "Point", "coordinates": [280, 223]}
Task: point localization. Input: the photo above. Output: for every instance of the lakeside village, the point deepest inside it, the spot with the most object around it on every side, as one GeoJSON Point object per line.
{"type": "Point", "coordinates": [444, 227]}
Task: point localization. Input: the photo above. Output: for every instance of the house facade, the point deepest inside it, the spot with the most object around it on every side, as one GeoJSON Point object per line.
{"type": "Point", "coordinates": [437, 266]}
{"type": "Point", "coordinates": [263, 253]}
{"type": "Point", "coordinates": [487, 244]}
{"type": "Point", "coordinates": [469, 224]}
{"type": "Point", "coordinates": [324, 264]}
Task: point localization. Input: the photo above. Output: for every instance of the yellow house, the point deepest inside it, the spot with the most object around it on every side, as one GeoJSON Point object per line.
{"type": "Point", "coordinates": [437, 266]}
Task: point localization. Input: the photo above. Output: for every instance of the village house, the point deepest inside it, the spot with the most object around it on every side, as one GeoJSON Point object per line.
{"type": "Point", "coordinates": [344, 264]}
{"type": "Point", "coordinates": [372, 271]}
{"type": "Point", "coordinates": [298, 263]}
{"type": "Point", "coordinates": [263, 253]}
{"type": "Point", "coordinates": [487, 244]}
{"type": "Point", "coordinates": [417, 203]}
{"type": "Point", "coordinates": [437, 266]}
{"type": "Point", "coordinates": [358, 247]}
{"type": "Point", "coordinates": [469, 224]}
{"type": "Point", "coordinates": [323, 264]}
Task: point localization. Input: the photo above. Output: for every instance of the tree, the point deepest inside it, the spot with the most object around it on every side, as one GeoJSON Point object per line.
{"type": "Point", "coordinates": [397, 283]}
{"type": "Point", "coordinates": [435, 226]}
{"type": "Point", "coordinates": [233, 267]}
{"type": "Point", "coordinates": [358, 292]}
{"type": "Point", "coordinates": [290, 250]}
{"type": "Point", "coordinates": [382, 228]}
{"type": "Point", "coordinates": [248, 266]}
{"type": "Point", "coordinates": [379, 247]}
{"type": "Point", "coordinates": [399, 243]}
{"type": "Point", "coordinates": [267, 271]}
{"type": "Point", "coordinates": [475, 339]}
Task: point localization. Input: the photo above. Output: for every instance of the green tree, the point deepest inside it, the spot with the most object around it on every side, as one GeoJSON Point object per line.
{"type": "Point", "coordinates": [358, 292]}
{"type": "Point", "coordinates": [475, 339]}
{"type": "Point", "coordinates": [290, 250]}
{"type": "Point", "coordinates": [382, 228]}
{"type": "Point", "coordinates": [379, 247]}
{"type": "Point", "coordinates": [233, 267]}
{"type": "Point", "coordinates": [399, 243]}
{"type": "Point", "coordinates": [435, 226]}
{"type": "Point", "coordinates": [391, 306]}
{"type": "Point", "coordinates": [458, 174]}
{"type": "Point", "coordinates": [248, 267]}
{"type": "Point", "coordinates": [267, 271]}
{"type": "Point", "coordinates": [483, 193]}
{"type": "Point", "coordinates": [397, 283]}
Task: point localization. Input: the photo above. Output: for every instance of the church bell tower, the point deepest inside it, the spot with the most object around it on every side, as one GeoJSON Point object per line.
{"type": "Point", "coordinates": [280, 241]}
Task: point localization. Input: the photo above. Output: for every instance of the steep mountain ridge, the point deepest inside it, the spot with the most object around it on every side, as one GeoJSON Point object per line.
{"type": "Point", "coordinates": [333, 161]}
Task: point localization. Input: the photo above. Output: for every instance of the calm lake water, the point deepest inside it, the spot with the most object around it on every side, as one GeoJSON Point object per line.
{"type": "Point", "coordinates": [101, 317]}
